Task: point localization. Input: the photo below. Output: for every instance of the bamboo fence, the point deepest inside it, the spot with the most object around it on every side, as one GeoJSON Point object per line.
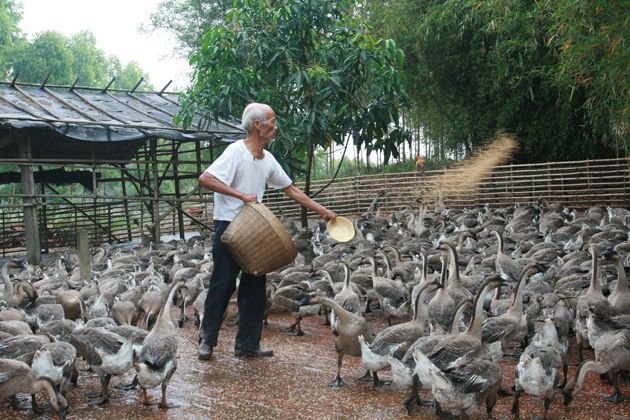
{"type": "Point", "coordinates": [120, 218]}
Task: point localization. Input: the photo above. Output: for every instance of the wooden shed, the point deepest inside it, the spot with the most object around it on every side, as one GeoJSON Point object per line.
{"type": "Point", "coordinates": [101, 142]}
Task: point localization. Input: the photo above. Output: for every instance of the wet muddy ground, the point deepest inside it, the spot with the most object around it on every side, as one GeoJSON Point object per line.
{"type": "Point", "coordinates": [294, 385]}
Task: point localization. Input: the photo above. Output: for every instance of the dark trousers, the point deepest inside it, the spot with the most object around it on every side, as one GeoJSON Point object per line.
{"type": "Point", "coordinates": [251, 297]}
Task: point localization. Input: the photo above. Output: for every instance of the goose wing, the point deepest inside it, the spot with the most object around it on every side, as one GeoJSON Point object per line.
{"type": "Point", "coordinates": [394, 340]}
{"type": "Point", "coordinates": [10, 369]}
{"type": "Point", "coordinates": [158, 351]}
{"type": "Point", "coordinates": [473, 375]}
{"type": "Point", "coordinates": [91, 342]}
{"type": "Point", "coordinates": [22, 347]}
{"type": "Point", "coordinates": [494, 329]}
{"type": "Point", "coordinates": [452, 348]}
{"type": "Point", "coordinates": [549, 357]}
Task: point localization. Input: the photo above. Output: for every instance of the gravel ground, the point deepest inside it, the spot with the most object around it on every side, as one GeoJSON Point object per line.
{"type": "Point", "coordinates": [294, 385]}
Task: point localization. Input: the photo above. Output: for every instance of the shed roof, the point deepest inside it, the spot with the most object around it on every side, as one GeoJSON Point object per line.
{"type": "Point", "coordinates": [78, 122]}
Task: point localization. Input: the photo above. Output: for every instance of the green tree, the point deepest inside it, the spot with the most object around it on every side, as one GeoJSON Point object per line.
{"type": "Point", "coordinates": [47, 54]}
{"type": "Point", "coordinates": [89, 64]}
{"type": "Point", "coordinates": [188, 20]}
{"type": "Point", "coordinates": [554, 73]}
{"type": "Point", "coordinates": [10, 15]}
{"type": "Point", "coordinates": [315, 63]}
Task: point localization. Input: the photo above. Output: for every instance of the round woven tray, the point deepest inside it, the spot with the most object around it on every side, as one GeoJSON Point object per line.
{"type": "Point", "coordinates": [258, 241]}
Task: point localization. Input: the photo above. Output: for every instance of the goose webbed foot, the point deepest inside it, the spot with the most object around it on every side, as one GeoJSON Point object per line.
{"type": "Point", "coordinates": [410, 404]}
{"type": "Point", "coordinates": [502, 392]}
{"type": "Point", "coordinates": [378, 383]}
{"type": "Point", "coordinates": [367, 377]}
{"type": "Point", "coordinates": [295, 329]}
{"type": "Point", "coordinates": [616, 398]}
{"type": "Point", "coordinates": [163, 404]}
{"type": "Point", "coordinates": [337, 382]}
{"type": "Point", "coordinates": [130, 386]}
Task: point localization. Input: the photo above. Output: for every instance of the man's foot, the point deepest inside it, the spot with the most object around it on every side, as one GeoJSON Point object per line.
{"type": "Point", "coordinates": [204, 352]}
{"type": "Point", "coordinates": [253, 353]}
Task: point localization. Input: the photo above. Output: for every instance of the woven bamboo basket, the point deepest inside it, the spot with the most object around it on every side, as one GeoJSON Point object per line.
{"type": "Point", "coordinates": [258, 241]}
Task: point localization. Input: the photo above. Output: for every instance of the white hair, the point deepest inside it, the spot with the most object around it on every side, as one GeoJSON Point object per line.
{"type": "Point", "coordinates": [254, 112]}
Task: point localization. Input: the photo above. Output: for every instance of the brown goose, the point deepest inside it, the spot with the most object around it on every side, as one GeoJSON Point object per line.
{"type": "Point", "coordinates": [56, 361]}
{"type": "Point", "coordinates": [612, 353]}
{"type": "Point", "coordinates": [394, 341]}
{"type": "Point", "coordinates": [619, 298]}
{"type": "Point", "coordinates": [512, 325]}
{"type": "Point", "coordinates": [456, 288]}
{"type": "Point", "coordinates": [504, 263]}
{"type": "Point", "coordinates": [17, 377]}
{"type": "Point", "coordinates": [538, 368]}
{"type": "Point", "coordinates": [591, 301]}
{"type": "Point", "coordinates": [158, 358]}
{"type": "Point", "coordinates": [349, 327]}
{"type": "Point", "coordinates": [441, 306]}
{"type": "Point", "coordinates": [105, 352]}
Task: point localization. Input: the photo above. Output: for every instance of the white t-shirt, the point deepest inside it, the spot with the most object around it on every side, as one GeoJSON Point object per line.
{"type": "Point", "coordinates": [237, 168]}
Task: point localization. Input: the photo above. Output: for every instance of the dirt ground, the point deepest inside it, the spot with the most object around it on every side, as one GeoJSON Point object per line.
{"type": "Point", "coordinates": [294, 385]}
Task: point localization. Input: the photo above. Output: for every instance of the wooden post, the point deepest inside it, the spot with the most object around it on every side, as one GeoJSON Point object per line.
{"type": "Point", "coordinates": [126, 205]}
{"type": "Point", "coordinates": [156, 192]}
{"type": "Point", "coordinates": [85, 262]}
{"type": "Point", "coordinates": [31, 228]}
{"type": "Point", "coordinates": [178, 194]}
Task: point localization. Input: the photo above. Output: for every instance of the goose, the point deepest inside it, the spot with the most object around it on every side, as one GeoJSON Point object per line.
{"type": "Point", "coordinates": [394, 341]}
{"type": "Point", "coordinates": [151, 302]}
{"type": "Point", "coordinates": [349, 327]}
{"type": "Point", "coordinates": [612, 353]}
{"type": "Point", "coordinates": [593, 300]}
{"type": "Point", "coordinates": [538, 366]}
{"type": "Point", "coordinates": [347, 298]}
{"type": "Point", "coordinates": [445, 349]}
{"type": "Point", "coordinates": [423, 279]}
{"type": "Point", "coordinates": [158, 358]}
{"type": "Point", "coordinates": [462, 386]}
{"type": "Point", "coordinates": [405, 270]}
{"type": "Point", "coordinates": [71, 302]}
{"type": "Point", "coordinates": [189, 292]}
{"type": "Point", "coordinates": [47, 312]}
{"type": "Point", "coordinates": [198, 306]}
{"type": "Point", "coordinates": [504, 263]}
{"type": "Point", "coordinates": [441, 306]}
{"type": "Point", "coordinates": [511, 325]}
{"type": "Point", "coordinates": [106, 353]}
{"type": "Point", "coordinates": [392, 295]}
{"type": "Point", "coordinates": [290, 298]}
{"type": "Point", "coordinates": [124, 312]}
{"type": "Point", "coordinates": [17, 377]}
{"type": "Point", "coordinates": [619, 298]}
{"type": "Point", "coordinates": [456, 289]}
{"type": "Point", "coordinates": [56, 361]}
{"type": "Point", "coordinates": [12, 295]}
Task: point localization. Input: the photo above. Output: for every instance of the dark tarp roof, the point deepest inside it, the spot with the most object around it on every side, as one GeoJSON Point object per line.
{"type": "Point", "coordinates": [84, 123]}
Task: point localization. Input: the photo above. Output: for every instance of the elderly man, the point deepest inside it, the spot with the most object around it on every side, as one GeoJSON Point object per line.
{"type": "Point", "coordinates": [237, 177]}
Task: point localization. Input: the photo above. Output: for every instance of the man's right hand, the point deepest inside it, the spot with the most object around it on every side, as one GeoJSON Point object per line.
{"type": "Point", "coordinates": [248, 198]}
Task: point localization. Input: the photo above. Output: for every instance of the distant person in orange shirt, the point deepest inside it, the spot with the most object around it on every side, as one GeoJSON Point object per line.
{"type": "Point", "coordinates": [419, 164]}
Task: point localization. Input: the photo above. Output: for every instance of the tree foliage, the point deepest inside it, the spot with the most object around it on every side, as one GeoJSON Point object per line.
{"type": "Point", "coordinates": [62, 59]}
{"type": "Point", "coordinates": [314, 62]}
{"type": "Point", "coordinates": [554, 73]}
{"type": "Point", "coordinates": [188, 20]}
{"type": "Point", "coordinates": [10, 16]}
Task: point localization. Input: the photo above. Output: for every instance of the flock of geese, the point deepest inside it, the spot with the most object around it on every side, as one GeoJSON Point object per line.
{"type": "Point", "coordinates": [459, 289]}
